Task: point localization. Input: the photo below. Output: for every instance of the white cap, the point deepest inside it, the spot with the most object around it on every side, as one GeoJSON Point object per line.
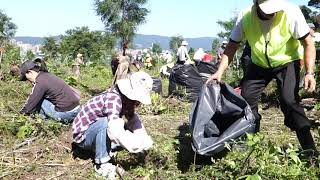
{"type": "Point", "coordinates": [184, 43]}
{"type": "Point", "coordinates": [271, 6]}
{"type": "Point", "coordinates": [137, 87]}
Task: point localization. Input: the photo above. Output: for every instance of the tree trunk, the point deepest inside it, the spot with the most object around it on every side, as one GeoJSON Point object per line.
{"type": "Point", "coordinates": [1, 53]}
{"type": "Point", "coordinates": [124, 50]}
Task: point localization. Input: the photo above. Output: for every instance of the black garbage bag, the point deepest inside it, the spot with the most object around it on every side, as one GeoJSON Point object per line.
{"type": "Point", "coordinates": [218, 116]}
{"type": "Point", "coordinates": [191, 78]}
{"type": "Point", "coordinates": [188, 77]}
{"type": "Point", "coordinates": [205, 67]}
{"type": "Point", "coordinates": [157, 85]}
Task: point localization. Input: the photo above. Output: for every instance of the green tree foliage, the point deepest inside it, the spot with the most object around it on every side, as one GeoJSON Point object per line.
{"type": "Point", "coordinates": [12, 54]}
{"type": "Point", "coordinates": [92, 44]}
{"type": "Point", "coordinates": [7, 31]}
{"type": "Point", "coordinates": [215, 45]}
{"type": "Point", "coordinates": [227, 26]}
{"type": "Point", "coordinates": [30, 55]}
{"type": "Point", "coordinates": [314, 3]}
{"type": "Point", "coordinates": [306, 12]}
{"type": "Point", "coordinates": [191, 52]}
{"type": "Point", "coordinates": [50, 47]}
{"type": "Point", "coordinates": [122, 17]}
{"type": "Point", "coordinates": [156, 48]}
{"type": "Point", "coordinates": [175, 42]}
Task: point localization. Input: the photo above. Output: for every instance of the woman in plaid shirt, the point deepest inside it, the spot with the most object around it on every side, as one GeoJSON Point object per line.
{"type": "Point", "coordinates": [100, 121]}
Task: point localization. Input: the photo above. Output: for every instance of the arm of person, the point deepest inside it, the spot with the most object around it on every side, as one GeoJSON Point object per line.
{"type": "Point", "coordinates": [227, 58]}
{"type": "Point", "coordinates": [309, 56]}
{"type": "Point", "coordinates": [135, 125]}
{"type": "Point", "coordinates": [36, 96]}
{"type": "Point", "coordinates": [116, 131]}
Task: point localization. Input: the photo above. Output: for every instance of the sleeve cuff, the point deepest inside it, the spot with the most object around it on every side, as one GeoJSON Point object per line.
{"type": "Point", "coordinates": [303, 37]}
{"type": "Point", "coordinates": [237, 42]}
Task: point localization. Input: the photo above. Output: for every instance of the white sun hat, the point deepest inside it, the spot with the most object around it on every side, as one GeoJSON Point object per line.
{"type": "Point", "coordinates": [137, 87]}
{"type": "Point", "coordinates": [271, 6]}
{"type": "Point", "coordinates": [184, 43]}
{"type": "Point", "coordinates": [224, 42]}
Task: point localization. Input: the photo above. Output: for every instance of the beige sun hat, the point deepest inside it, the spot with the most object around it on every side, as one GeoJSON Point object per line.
{"type": "Point", "coordinates": [271, 6]}
{"type": "Point", "coordinates": [137, 87]}
{"type": "Point", "coordinates": [79, 55]}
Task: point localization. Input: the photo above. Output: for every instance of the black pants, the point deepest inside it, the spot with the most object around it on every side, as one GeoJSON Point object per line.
{"type": "Point", "coordinates": [287, 78]}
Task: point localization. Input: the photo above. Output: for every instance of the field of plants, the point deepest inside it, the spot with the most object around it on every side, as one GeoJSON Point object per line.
{"type": "Point", "coordinates": [31, 148]}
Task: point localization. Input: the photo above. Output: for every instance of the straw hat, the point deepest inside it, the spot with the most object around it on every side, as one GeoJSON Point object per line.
{"type": "Point", "coordinates": [137, 87]}
{"type": "Point", "coordinates": [79, 55]}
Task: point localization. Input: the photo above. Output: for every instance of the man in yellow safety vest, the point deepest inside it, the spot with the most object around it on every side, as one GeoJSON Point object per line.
{"type": "Point", "coordinates": [276, 30]}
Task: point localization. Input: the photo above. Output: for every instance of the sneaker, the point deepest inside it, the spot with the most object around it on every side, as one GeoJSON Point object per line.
{"type": "Point", "coordinates": [107, 170]}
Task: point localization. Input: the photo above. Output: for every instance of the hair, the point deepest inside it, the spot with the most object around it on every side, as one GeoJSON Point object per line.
{"type": "Point", "coordinates": [40, 66]}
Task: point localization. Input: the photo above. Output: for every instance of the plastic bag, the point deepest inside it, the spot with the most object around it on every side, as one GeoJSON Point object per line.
{"type": "Point", "coordinates": [218, 115]}
{"type": "Point", "coordinates": [188, 77]}
{"type": "Point", "coordinates": [157, 85]}
{"type": "Point", "coordinates": [191, 78]}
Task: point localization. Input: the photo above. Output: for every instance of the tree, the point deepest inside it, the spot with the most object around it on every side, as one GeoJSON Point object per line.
{"type": "Point", "coordinates": [92, 44]}
{"type": "Point", "coordinates": [50, 47]}
{"type": "Point", "coordinates": [215, 45]}
{"type": "Point", "coordinates": [122, 17]}
{"type": "Point", "coordinates": [7, 31]}
{"type": "Point", "coordinates": [12, 54]}
{"type": "Point", "coordinates": [314, 3]}
{"type": "Point", "coordinates": [307, 13]}
{"type": "Point", "coordinates": [156, 48]}
{"type": "Point", "coordinates": [175, 42]}
{"type": "Point", "coordinates": [227, 26]}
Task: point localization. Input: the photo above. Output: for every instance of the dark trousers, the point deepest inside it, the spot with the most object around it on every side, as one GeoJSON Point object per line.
{"type": "Point", "coordinates": [287, 78]}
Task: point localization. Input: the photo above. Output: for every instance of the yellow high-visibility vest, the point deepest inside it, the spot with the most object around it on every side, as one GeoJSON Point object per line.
{"type": "Point", "coordinates": [278, 48]}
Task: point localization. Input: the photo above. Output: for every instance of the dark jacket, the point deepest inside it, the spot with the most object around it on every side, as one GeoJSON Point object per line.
{"type": "Point", "coordinates": [53, 89]}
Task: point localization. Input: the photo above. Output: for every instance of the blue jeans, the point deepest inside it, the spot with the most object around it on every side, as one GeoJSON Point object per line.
{"type": "Point", "coordinates": [97, 141]}
{"type": "Point", "coordinates": [48, 111]}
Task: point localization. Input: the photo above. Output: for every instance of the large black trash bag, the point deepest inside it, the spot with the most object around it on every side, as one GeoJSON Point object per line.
{"type": "Point", "coordinates": [205, 67]}
{"type": "Point", "coordinates": [186, 76]}
{"type": "Point", "coordinates": [157, 85]}
{"type": "Point", "coordinates": [218, 115]}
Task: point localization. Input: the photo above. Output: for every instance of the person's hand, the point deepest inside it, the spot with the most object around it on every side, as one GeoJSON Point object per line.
{"type": "Point", "coordinates": [309, 83]}
{"type": "Point", "coordinates": [216, 76]}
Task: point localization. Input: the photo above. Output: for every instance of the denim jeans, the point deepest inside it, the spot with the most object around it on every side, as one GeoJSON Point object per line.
{"type": "Point", "coordinates": [48, 111]}
{"type": "Point", "coordinates": [97, 140]}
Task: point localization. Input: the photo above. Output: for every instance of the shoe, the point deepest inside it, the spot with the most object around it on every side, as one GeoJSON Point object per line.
{"type": "Point", "coordinates": [107, 170]}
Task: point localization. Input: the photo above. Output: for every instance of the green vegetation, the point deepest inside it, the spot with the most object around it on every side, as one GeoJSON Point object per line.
{"type": "Point", "coordinates": [29, 144]}
{"type": "Point", "coordinates": [31, 148]}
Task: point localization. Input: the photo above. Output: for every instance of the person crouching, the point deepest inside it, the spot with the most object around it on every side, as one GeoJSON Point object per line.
{"type": "Point", "coordinates": [50, 95]}
{"type": "Point", "coordinates": [100, 123]}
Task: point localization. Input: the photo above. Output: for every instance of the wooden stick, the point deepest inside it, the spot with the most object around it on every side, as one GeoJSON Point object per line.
{"type": "Point", "coordinates": [26, 142]}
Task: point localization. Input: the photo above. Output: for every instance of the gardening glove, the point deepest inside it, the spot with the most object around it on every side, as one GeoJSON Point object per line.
{"type": "Point", "coordinates": [146, 141]}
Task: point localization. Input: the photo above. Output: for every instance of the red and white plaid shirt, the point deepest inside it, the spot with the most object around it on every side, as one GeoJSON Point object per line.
{"type": "Point", "coordinates": [107, 104]}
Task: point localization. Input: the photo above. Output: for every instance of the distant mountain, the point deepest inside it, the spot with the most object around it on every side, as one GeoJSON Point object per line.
{"type": "Point", "coordinates": [140, 41]}
{"type": "Point", "coordinates": [32, 40]}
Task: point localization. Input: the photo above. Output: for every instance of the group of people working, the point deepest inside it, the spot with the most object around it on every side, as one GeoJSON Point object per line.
{"type": "Point", "coordinates": [276, 34]}
{"type": "Point", "coordinates": [98, 125]}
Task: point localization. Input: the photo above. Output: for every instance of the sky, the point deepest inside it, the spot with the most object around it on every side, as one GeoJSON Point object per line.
{"type": "Point", "coordinates": [189, 18]}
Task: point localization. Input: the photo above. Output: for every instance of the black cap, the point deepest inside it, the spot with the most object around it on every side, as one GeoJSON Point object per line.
{"type": "Point", "coordinates": [25, 67]}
